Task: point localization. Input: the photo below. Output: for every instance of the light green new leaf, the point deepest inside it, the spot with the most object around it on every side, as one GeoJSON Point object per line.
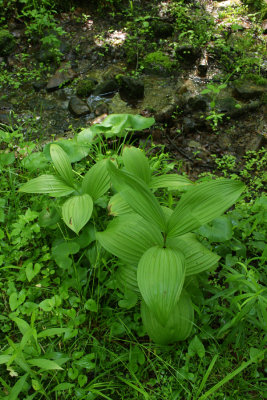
{"type": "Point", "coordinates": [50, 184]}
{"type": "Point", "coordinates": [128, 237]}
{"type": "Point", "coordinates": [160, 277]}
{"type": "Point", "coordinates": [179, 325]}
{"type": "Point", "coordinates": [77, 211]}
{"type": "Point", "coordinates": [197, 257]}
{"type": "Point", "coordinates": [44, 364]}
{"type": "Point", "coordinates": [136, 163]}
{"type": "Point", "coordinates": [202, 203]}
{"type": "Point", "coordinates": [138, 196]}
{"type": "Point", "coordinates": [171, 182]}
{"type": "Point", "coordinates": [62, 163]}
{"type": "Point", "coordinates": [96, 181]}
{"type": "Point", "coordinates": [118, 206]}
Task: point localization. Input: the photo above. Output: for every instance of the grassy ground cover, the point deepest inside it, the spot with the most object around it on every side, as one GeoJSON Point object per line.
{"type": "Point", "coordinates": [67, 330]}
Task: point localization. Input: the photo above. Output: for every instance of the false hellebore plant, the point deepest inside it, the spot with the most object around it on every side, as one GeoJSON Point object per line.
{"type": "Point", "coordinates": [78, 208]}
{"type": "Point", "coordinates": [155, 243]}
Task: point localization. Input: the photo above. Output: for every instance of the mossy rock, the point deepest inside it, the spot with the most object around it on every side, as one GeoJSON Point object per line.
{"type": "Point", "coordinates": [7, 42]}
{"type": "Point", "coordinates": [158, 63]}
{"type": "Point", "coordinates": [86, 87]}
{"type": "Point", "coordinates": [162, 30]}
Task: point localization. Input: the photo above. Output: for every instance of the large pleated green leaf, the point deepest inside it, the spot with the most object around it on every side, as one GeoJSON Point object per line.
{"type": "Point", "coordinates": [96, 181]}
{"type": "Point", "coordinates": [160, 277]}
{"type": "Point", "coordinates": [138, 196]}
{"type": "Point", "coordinates": [202, 203]}
{"type": "Point", "coordinates": [77, 211]}
{"type": "Point", "coordinates": [177, 328]}
{"type": "Point", "coordinates": [171, 182]}
{"type": "Point", "coordinates": [197, 257]}
{"type": "Point", "coordinates": [136, 162]}
{"type": "Point", "coordinates": [50, 184]}
{"type": "Point", "coordinates": [118, 206]}
{"type": "Point", "coordinates": [126, 276]}
{"type": "Point", "coordinates": [62, 163]}
{"type": "Point", "coordinates": [128, 237]}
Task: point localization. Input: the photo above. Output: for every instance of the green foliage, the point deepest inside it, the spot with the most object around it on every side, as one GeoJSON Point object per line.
{"type": "Point", "coordinates": [70, 319]}
{"type": "Point", "coordinates": [85, 87]}
{"type": "Point", "coordinates": [7, 42]}
{"type": "Point", "coordinates": [214, 116]}
{"type": "Point", "coordinates": [157, 62]}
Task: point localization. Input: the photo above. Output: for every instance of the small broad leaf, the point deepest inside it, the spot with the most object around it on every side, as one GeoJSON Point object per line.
{"type": "Point", "coordinates": [86, 362]}
{"type": "Point", "coordinates": [32, 270]}
{"type": "Point", "coordinates": [128, 237]}
{"type": "Point", "coordinates": [91, 305]}
{"type": "Point", "coordinates": [171, 182]}
{"type": "Point", "coordinates": [6, 159]}
{"type": "Point", "coordinates": [202, 203]}
{"type": "Point", "coordinates": [197, 257]}
{"type": "Point", "coordinates": [138, 196]}
{"type": "Point", "coordinates": [196, 347]}
{"type": "Point", "coordinates": [160, 277]}
{"type": "Point", "coordinates": [35, 161]}
{"type": "Point", "coordinates": [129, 300]}
{"type": "Point", "coordinates": [178, 326]}
{"type": "Point", "coordinates": [44, 364]}
{"type": "Point", "coordinates": [50, 184]}
{"type": "Point", "coordinates": [61, 252]}
{"type": "Point", "coordinates": [49, 216]}
{"type": "Point", "coordinates": [77, 211]}
{"type": "Point", "coordinates": [136, 162]}
{"type": "Point", "coordinates": [219, 230]}
{"type": "Point", "coordinates": [16, 299]}
{"type": "Point", "coordinates": [62, 163]}
{"type": "Point", "coordinates": [96, 181]}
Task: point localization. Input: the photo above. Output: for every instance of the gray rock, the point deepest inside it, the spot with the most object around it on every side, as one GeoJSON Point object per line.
{"type": "Point", "coordinates": [226, 105]}
{"type": "Point", "coordinates": [106, 88]}
{"type": "Point", "coordinates": [187, 53]}
{"type": "Point", "coordinates": [248, 90]}
{"type": "Point", "coordinates": [165, 114]}
{"type": "Point", "coordinates": [78, 107]}
{"type": "Point", "coordinates": [189, 124]}
{"type": "Point", "coordinates": [86, 87]}
{"type": "Point", "coordinates": [39, 85]}
{"type": "Point", "coordinates": [63, 75]}
{"type": "Point", "coordinates": [198, 103]}
{"type": "Point", "coordinates": [7, 42]}
{"type": "Point", "coordinates": [131, 89]}
{"type": "Point", "coordinates": [161, 29]}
